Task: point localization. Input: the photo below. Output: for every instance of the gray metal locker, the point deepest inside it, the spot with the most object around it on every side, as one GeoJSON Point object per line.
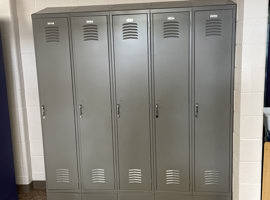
{"type": "Point", "coordinates": [213, 100]}
{"type": "Point", "coordinates": [171, 38]}
{"type": "Point", "coordinates": [56, 99]}
{"type": "Point", "coordinates": [152, 92]}
{"type": "Point", "coordinates": [130, 38]}
{"type": "Point", "coordinates": [91, 63]}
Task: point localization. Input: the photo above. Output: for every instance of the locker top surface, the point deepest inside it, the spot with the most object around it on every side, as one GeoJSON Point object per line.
{"type": "Point", "coordinates": [134, 6]}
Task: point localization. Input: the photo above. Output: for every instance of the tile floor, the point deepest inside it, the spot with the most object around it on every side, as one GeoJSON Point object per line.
{"type": "Point", "coordinates": [34, 194]}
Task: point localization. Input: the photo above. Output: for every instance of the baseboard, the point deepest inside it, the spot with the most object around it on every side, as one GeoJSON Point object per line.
{"type": "Point", "coordinates": [34, 185]}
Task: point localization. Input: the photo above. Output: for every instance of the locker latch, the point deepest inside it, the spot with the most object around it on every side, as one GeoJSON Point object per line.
{"type": "Point", "coordinates": [43, 112]}
{"type": "Point", "coordinates": [157, 111]}
{"type": "Point", "coordinates": [81, 110]}
{"type": "Point", "coordinates": [196, 110]}
{"type": "Point", "coordinates": [118, 110]}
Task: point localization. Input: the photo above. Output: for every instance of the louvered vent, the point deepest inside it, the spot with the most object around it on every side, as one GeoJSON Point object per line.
{"type": "Point", "coordinates": [171, 29]}
{"type": "Point", "coordinates": [172, 177]}
{"type": "Point", "coordinates": [135, 176]}
{"type": "Point", "coordinates": [62, 176]}
{"type": "Point", "coordinates": [98, 176]}
{"type": "Point", "coordinates": [52, 34]}
{"type": "Point", "coordinates": [211, 177]}
{"type": "Point", "coordinates": [130, 31]}
{"type": "Point", "coordinates": [213, 27]}
{"type": "Point", "coordinates": [90, 32]}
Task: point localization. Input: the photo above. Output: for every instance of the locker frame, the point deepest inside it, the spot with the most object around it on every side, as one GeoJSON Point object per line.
{"type": "Point", "coordinates": [174, 10]}
{"type": "Point", "coordinates": [133, 12]}
{"type": "Point", "coordinates": [107, 15]}
{"type": "Point", "coordinates": [209, 8]}
{"type": "Point", "coordinates": [66, 16]}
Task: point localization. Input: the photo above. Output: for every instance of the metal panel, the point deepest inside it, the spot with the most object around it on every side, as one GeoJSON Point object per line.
{"type": "Point", "coordinates": [63, 196]}
{"type": "Point", "coordinates": [90, 41]}
{"type": "Point", "coordinates": [213, 67]}
{"type": "Point", "coordinates": [171, 68]}
{"type": "Point", "coordinates": [131, 70]}
{"type": "Point", "coordinates": [132, 195]}
{"type": "Point", "coordinates": [99, 196]}
{"type": "Point", "coordinates": [56, 98]}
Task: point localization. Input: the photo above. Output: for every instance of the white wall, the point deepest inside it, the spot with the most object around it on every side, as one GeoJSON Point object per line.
{"type": "Point", "coordinates": [16, 93]}
{"type": "Point", "coordinates": [249, 88]}
{"type": "Point", "coordinates": [249, 94]}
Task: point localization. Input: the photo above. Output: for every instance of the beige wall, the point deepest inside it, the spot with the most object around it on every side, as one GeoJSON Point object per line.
{"type": "Point", "coordinates": [249, 88]}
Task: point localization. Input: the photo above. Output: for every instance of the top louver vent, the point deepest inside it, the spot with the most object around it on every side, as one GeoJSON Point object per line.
{"type": "Point", "coordinates": [130, 31]}
{"type": "Point", "coordinates": [52, 34]}
{"type": "Point", "coordinates": [171, 29]}
{"type": "Point", "coordinates": [90, 32]}
{"type": "Point", "coordinates": [213, 27]}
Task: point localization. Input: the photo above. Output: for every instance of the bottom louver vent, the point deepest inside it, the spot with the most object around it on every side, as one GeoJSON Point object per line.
{"type": "Point", "coordinates": [211, 177]}
{"type": "Point", "coordinates": [62, 176]}
{"type": "Point", "coordinates": [135, 176]}
{"type": "Point", "coordinates": [98, 176]}
{"type": "Point", "coordinates": [172, 177]}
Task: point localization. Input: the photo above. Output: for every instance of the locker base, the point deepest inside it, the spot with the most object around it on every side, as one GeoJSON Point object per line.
{"type": "Point", "coordinates": [177, 196]}
{"type": "Point", "coordinates": [63, 196]}
{"type": "Point", "coordinates": [99, 196]}
{"type": "Point", "coordinates": [135, 195]}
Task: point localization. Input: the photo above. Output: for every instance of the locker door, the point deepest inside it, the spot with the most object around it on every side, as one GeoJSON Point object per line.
{"type": "Point", "coordinates": [56, 98]}
{"type": "Point", "coordinates": [171, 68]}
{"type": "Point", "coordinates": [91, 62]}
{"type": "Point", "coordinates": [131, 69]}
{"type": "Point", "coordinates": [213, 71]}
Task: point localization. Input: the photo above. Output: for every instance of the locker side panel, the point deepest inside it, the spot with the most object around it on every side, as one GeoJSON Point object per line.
{"type": "Point", "coordinates": [213, 67]}
{"type": "Point", "coordinates": [171, 74]}
{"type": "Point", "coordinates": [90, 41]}
{"type": "Point", "coordinates": [130, 33]}
{"type": "Point", "coordinates": [55, 85]}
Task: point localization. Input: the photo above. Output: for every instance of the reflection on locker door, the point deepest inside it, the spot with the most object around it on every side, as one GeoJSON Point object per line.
{"type": "Point", "coordinates": [90, 41]}
{"type": "Point", "coordinates": [56, 98]}
{"type": "Point", "coordinates": [171, 68]}
{"type": "Point", "coordinates": [131, 70]}
{"type": "Point", "coordinates": [213, 68]}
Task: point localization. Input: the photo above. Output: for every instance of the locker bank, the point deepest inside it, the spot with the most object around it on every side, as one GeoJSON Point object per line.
{"type": "Point", "coordinates": [137, 100]}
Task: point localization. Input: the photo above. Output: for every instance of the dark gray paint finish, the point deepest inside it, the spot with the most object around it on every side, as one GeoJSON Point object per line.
{"type": "Point", "coordinates": [131, 75]}
{"type": "Point", "coordinates": [171, 74]}
{"type": "Point", "coordinates": [138, 6]}
{"type": "Point", "coordinates": [99, 196]}
{"type": "Point", "coordinates": [55, 89]}
{"type": "Point", "coordinates": [213, 68]}
{"type": "Point", "coordinates": [64, 196]}
{"type": "Point", "coordinates": [91, 62]}
{"type": "Point", "coordinates": [132, 195]}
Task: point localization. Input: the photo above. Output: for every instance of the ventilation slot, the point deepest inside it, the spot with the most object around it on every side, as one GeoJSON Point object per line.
{"type": "Point", "coordinates": [62, 176]}
{"type": "Point", "coordinates": [130, 31]}
{"type": "Point", "coordinates": [135, 176]}
{"type": "Point", "coordinates": [52, 34]}
{"type": "Point", "coordinates": [98, 176]}
{"type": "Point", "coordinates": [90, 32]}
{"type": "Point", "coordinates": [213, 27]}
{"type": "Point", "coordinates": [211, 177]}
{"type": "Point", "coordinates": [172, 177]}
{"type": "Point", "coordinates": [171, 29]}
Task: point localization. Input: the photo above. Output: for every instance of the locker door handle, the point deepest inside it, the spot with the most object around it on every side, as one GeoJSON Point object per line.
{"type": "Point", "coordinates": [196, 110]}
{"type": "Point", "coordinates": [43, 112]}
{"type": "Point", "coordinates": [81, 110]}
{"type": "Point", "coordinates": [157, 111]}
{"type": "Point", "coordinates": [118, 110]}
